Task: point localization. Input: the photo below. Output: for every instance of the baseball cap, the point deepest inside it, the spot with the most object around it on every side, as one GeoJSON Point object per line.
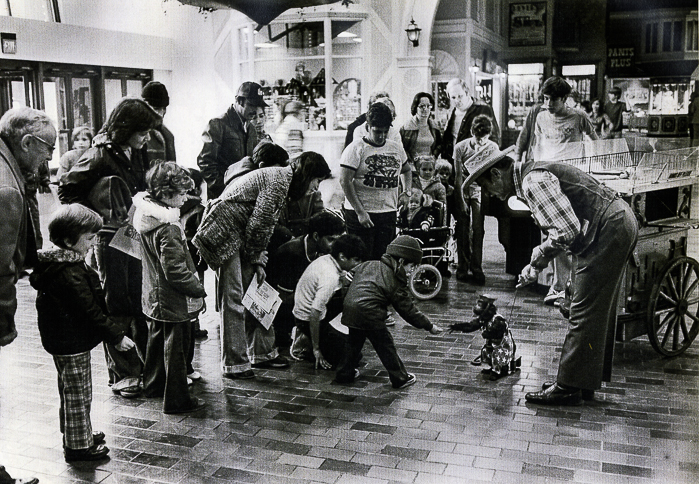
{"type": "Point", "coordinates": [252, 92]}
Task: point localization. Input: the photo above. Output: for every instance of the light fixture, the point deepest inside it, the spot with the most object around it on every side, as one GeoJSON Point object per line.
{"type": "Point", "coordinates": [413, 32]}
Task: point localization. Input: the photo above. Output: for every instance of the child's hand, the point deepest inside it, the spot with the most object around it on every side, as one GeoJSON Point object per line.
{"type": "Point", "coordinates": [125, 344]}
{"type": "Point", "coordinates": [436, 329]}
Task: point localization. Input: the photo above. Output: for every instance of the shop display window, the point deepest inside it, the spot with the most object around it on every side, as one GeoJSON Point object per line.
{"type": "Point", "coordinates": [524, 82]}
{"type": "Point", "coordinates": [669, 97]}
{"type": "Point", "coordinates": [294, 58]}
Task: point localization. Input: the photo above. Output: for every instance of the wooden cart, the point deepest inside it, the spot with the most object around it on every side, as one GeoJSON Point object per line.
{"type": "Point", "coordinates": [660, 290]}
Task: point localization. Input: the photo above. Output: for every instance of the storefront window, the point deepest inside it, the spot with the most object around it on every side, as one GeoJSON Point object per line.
{"type": "Point", "coordinates": [669, 98]}
{"type": "Point", "coordinates": [293, 59]}
{"type": "Point", "coordinates": [524, 82]}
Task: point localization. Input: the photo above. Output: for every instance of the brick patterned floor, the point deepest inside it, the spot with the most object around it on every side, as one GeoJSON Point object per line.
{"type": "Point", "coordinates": [452, 426]}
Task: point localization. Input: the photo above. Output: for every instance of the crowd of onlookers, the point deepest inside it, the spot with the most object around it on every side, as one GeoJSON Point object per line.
{"type": "Point", "coordinates": [134, 236]}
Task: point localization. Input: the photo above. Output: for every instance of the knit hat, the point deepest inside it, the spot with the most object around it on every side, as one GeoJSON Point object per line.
{"type": "Point", "coordinates": [406, 247]}
{"type": "Point", "coordinates": [155, 94]}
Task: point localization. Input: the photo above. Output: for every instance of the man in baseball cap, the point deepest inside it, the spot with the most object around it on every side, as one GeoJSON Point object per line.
{"type": "Point", "coordinates": [230, 137]}
{"type": "Point", "coordinates": [252, 92]}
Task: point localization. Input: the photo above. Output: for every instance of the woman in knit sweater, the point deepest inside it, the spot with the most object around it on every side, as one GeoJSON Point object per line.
{"type": "Point", "coordinates": [233, 239]}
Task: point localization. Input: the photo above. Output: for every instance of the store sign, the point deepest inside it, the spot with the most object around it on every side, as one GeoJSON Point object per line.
{"type": "Point", "coordinates": [528, 23]}
{"type": "Point", "coordinates": [620, 60]}
{"type": "Point", "coordinates": [9, 43]}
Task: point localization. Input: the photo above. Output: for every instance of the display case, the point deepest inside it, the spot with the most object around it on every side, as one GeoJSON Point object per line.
{"type": "Point", "coordinates": [297, 57]}
{"type": "Point", "coordinates": [668, 108]}
{"type": "Point", "coordinates": [523, 84]}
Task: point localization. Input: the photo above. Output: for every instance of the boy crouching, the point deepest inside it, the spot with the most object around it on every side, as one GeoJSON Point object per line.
{"type": "Point", "coordinates": [375, 285]}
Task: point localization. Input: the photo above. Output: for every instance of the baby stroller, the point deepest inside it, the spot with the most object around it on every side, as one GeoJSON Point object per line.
{"type": "Point", "coordinates": [426, 281]}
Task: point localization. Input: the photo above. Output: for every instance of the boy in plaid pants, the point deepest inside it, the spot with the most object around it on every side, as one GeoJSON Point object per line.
{"type": "Point", "coordinates": [72, 320]}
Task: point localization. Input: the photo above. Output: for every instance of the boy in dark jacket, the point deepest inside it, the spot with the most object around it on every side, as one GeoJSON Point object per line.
{"type": "Point", "coordinates": [376, 285]}
{"type": "Point", "coordinates": [72, 320]}
{"type": "Point", "coordinates": [173, 295]}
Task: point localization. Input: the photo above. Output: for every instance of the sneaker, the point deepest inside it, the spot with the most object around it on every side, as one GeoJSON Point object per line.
{"type": "Point", "coordinates": [390, 320]}
{"type": "Point", "coordinates": [410, 381]}
{"type": "Point", "coordinates": [195, 375]}
{"type": "Point", "coordinates": [552, 296]}
{"type": "Point", "coordinates": [278, 362]}
{"type": "Point", "coordinates": [356, 373]}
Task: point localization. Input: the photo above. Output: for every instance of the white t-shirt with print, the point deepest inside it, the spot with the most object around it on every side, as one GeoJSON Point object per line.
{"type": "Point", "coordinates": [377, 173]}
{"type": "Point", "coordinates": [559, 137]}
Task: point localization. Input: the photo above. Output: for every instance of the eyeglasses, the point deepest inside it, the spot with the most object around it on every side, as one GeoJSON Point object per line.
{"type": "Point", "coordinates": [424, 106]}
{"type": "Point", "coordinates": [44, 142]}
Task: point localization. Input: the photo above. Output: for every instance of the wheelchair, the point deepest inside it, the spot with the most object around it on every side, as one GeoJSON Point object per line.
{"type": "Point", "coordinates": [425, 282]}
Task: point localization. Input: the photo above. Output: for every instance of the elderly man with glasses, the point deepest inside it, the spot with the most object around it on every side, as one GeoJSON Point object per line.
{"type": "Point", "coordinates": [27, 139]}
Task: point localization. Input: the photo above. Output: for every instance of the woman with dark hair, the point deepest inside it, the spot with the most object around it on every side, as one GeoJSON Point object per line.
{"type": "Point", "coordinates": [233, 239]}
{"type": "Point", "coordinates": [105, 178]}
{"type": "Point", "coordinates": [601, 121]}
{"type": "Point", "coordinates": [420, 135]}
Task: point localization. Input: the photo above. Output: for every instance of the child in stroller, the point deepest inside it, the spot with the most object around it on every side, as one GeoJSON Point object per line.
{"type": "Point", "coordinates": [425, 219]}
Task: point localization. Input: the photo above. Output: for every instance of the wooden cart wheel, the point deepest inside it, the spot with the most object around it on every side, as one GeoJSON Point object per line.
{"type": "Point", "coordinates": [673, 309]}
{"type": "Point", "coordinates": [425, 282]}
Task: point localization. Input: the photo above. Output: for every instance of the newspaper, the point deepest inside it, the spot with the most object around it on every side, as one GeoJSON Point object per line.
{"type": "Point", "coordinates": [262, 301]}
{"type": "Point", "coordinates": [127, 240]}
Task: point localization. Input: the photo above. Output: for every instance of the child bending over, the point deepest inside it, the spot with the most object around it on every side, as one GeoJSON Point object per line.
{"type": "Point", "coordinates": [376, 285]}
{"type": "Point", "coordinates": [72, 316]}
{"type": "Point", "coordinates": [173, 295]}
{"type": "Point", "coordinates": [467, 154]}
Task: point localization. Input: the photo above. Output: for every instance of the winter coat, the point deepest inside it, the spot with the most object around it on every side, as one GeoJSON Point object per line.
{"type": "Point", "coordinates": [172, 291]}
{"type": "Point", "coordinates": [376, 284]}
{"type": "Point", "coordinates": [226, 141]}
{"type": "Point", "coordinates": [409, 133]}
{"type": "Point", "coordinates": [243, 218]}
{"type": "Point", "coordinates": [435, 188]}
{"type": "Point", "coordinates": [70, 304]}
{"type": "Point", "coordinates": [14, 218]}
{"type": "Point", "coordinates": [105, 159]}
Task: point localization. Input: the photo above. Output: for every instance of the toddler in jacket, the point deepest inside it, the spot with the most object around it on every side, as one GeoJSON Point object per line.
{"type": "Point", "coordinates": [375, 285]}
{"type": "Point", "coordinates": [72, 317]}
{"type": "Point", "coordinates": [173, 295]}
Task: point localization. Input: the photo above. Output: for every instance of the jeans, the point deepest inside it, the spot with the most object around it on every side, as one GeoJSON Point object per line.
{"type": "Point", "coordinates": [375, 238]}
{"type": "Point", "coordinates": [165, 368]}
{"type": "Point", "coordinates": [385, 348]}
{"type": "Point", "coordinates": [469, 232]}
{"type": "Point", "coordinates": [121, 278]}
{"type": "Point", "coordinates": [243, 339]}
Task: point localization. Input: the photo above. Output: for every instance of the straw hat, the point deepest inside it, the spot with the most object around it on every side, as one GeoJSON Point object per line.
{"type": "Point", "coordinates": [481, 166]}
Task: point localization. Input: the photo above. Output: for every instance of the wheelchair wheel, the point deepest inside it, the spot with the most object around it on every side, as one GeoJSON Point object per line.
{"type": "Point", "coordinates": [425, 282]}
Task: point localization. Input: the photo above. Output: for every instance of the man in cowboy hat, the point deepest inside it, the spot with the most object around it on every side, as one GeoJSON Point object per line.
{"type": "Point", "coordinates": [590, 221]}
{"type": "Point", "coordinates": [230, 137]}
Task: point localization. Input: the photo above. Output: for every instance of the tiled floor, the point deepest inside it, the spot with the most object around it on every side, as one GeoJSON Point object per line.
{"type": "Point", "coordinates": [295, 426]}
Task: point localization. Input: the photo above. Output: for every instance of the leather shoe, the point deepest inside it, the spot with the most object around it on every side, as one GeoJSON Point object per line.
{"type": "Point", "coordinates": [32, 480]}
{"type": "Point", "coordinates": [98, 438]}
{"type": "Point", "coordinates": [96, 452]}
{"type": "Point", "coordinates": [197, 404]}
{"type": "Point", "coordinates": [478, 278]}
{"type": "Point", "coordinates": [556, 395]}
{"type": "Point", "coordinates": [462, 276]}
{"type": "Point", "coordinates": [278, 362]}
{"type": "Point", "coordinates": [586, 394]}
{"type": "Point", "coordinates": [240, 375]}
